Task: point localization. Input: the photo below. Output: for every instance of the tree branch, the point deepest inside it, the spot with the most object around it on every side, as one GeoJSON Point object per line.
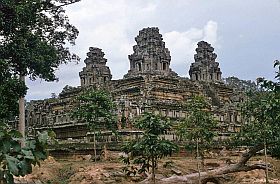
{"type": "Point", "coordinates": [61, 5]}
{"type": "Point", "coordinates": [252, 151]}
{"type": "Point", "coordinates": [219, 172]}
{"type": "Point", "coordinates": [66, 4]}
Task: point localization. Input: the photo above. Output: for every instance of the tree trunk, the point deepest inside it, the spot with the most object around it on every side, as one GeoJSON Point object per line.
{"type": "Point", "coordinates": [21, 120]}
{"type": "Point", "coordinates": [105, 152]}
{"type": "Point", "coordinates": [219, 172]}
{"type": "Point", "coordinates": [94, 146]}
{"type": "Point", "coordinates": [265, 160]}
{"type": "Point", "coordinates": [153, 170]}
{"type": "Point", "coordinates": [198, 162]}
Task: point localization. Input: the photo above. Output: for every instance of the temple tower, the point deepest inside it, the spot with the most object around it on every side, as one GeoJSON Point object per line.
{"type": "Point", "coordinates": [96, 71]}
{"type": "Point", "coordinates": [150, 55]}
{"type": "Point", "coordinates": [205, 68]}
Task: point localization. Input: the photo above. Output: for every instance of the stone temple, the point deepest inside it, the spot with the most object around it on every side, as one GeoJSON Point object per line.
{"type": "Point", "coordinates": [205, 67]}
{"type": "Point", "coordinates": [149, 86]}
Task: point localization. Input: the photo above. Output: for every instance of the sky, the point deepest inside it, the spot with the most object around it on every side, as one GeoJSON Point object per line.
{"type": "Point", "coordinates": [245, 35]}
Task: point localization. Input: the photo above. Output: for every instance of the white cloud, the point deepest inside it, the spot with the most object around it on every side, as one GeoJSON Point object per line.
{"type": "Point", "coordinates": [105, 24]}
{"type": "Point", "coordinates": [112, 25]}
{"type": "Point", "coordinates": [210, 32]}
{"type": "Point", "coordinates": [182, 45]}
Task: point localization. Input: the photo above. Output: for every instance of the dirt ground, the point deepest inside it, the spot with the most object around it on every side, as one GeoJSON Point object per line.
{"type": "Point", "coordinates": [82, 170]}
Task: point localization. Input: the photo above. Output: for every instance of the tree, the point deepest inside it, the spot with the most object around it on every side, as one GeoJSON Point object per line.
{"type": "Point", "coordinates": [147, 150]}
{"type": "Point", "coordinates": [242, 85]}
{"type": "Point", "coordinates": [10, 90]}
{"type": "Point", "coordinates": [262, 116]}
{"type": "Point", "coordinates": [95, 107]}
{"type": "Point", "coordinates": [14, 160]}
{"type": "Point", "coordinates": [33, 36]}
{"type": "Point", "coordinates": [199, 126]}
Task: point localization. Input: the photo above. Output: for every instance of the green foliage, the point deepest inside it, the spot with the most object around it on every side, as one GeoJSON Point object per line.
{"type": "Point", "coordinates": [33, 34]}
{"type": "Point", "coordinates": [17, 161]}
{"type": "Point", "coordinates": [242, 85]}
{"type": "Point", "coordinates": [274, 151]}
{"type": "Point", "coordinates": [199, 124]}
{"type": "Point", "coordinates": [96, 108]}
{"type": "Point", "coordinates": [147, 150]}
{"type": "Point", "coordinates": [10, 91]}
{"type": "Point", "coordinates": [261, 113]}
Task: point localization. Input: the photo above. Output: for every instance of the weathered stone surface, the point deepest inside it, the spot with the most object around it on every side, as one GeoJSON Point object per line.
{"type": "Point", "coordinates": [150, 55]}
{"type": "Point", "coordinates": [149, 86]}
{"type": "Point", "coordinates": [205, 68]}
{"type": "Point", "coordinates": [96, 72]}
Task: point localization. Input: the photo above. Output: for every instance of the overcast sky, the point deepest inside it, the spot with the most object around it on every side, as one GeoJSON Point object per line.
{"type": "Point", "coordinates": [245, 35]}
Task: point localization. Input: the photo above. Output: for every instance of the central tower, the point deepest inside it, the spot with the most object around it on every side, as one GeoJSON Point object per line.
{"type": "Point", "coordinates": [150, 55]}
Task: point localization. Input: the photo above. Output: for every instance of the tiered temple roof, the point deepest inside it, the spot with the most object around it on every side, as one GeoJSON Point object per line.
{"type": "Point", "coordinates": [96, 72]}
{"type": "Point", "coordinates": [150, 55]}
{"type": "Point", "coordinates": [205, 68]}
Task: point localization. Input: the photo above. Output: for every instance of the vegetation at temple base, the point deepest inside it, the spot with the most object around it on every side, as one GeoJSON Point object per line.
{"type": "Point", "coordinates": [14, 160]}
{"type": "Point", "coordinates": [17, 161]}
{"type": "Point", "coordinates": [199, 127]}
{"type": "Point", "coordinates": [96, 108]}
{"type": "Point", "coordinates": [147, 150]}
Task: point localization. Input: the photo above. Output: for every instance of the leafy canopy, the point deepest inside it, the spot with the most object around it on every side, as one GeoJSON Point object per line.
{"type": "Point", "coordinates": [10, 91]}
{"type": "Point", "coordinates": [95, 107]}
{"type": "Point", "coordinates": [199, 124]}
{"type": "Point", "coordinates": [261, 113]}
{"type": "Point", "coordinates": [33, 36]}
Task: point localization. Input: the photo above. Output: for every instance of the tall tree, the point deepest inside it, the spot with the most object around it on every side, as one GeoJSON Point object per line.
{"type": "Point", "coordinates": [147, 150]}
{"type": "Point", "coordinates": [262, 115]}
{"type": "Point", "coordinates": [199, 127]}
{"type": "Point", "coordinates": [96, 108]}
{"type": "Point", "coordinates": [14, 160]}
{"type": "Point", "coordinates": [10, 91]}
{"type": "Point", "coordinates": [33, 36]}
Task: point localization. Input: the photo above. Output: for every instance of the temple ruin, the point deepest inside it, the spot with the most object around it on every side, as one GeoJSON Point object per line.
{"type": "Point", "coordinates": [150, 55]}
{"type": "Point", "coordinates": [149, 86]}
{"type": "Point", "coordinates": [205, 68]}
{"type": "Point", "coordinates": [96, 72]}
